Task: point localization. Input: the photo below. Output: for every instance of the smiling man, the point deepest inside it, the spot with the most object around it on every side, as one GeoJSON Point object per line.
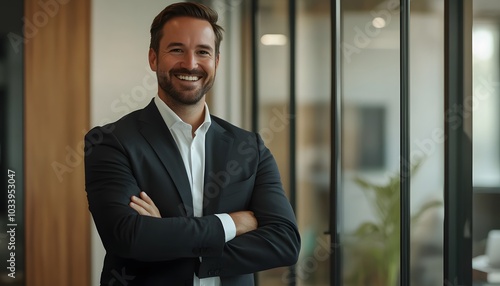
{"type": "Point", "coordinates": [185, 62]}
{"type": "Point", "coordinates": [179, 196]}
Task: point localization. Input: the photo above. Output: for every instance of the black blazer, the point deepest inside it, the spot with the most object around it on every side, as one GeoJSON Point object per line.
{"type": "Point", "coordinates": [138, 153]}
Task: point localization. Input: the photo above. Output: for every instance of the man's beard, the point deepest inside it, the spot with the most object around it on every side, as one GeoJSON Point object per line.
{"type": "Point", "coordinates": [186, 97]}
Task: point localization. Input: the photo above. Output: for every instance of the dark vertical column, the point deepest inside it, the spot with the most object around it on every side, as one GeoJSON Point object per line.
{"type": "Point", "coordinates": [405, 164]}
{"type": "Point", "coordinates": [335, 159]}
{"type": "Point", "coordinates": [458, 144]}
{"type": "Point", "coordinates": [12, 207]}
{"type": "Point", "coordinates": [292, 19]}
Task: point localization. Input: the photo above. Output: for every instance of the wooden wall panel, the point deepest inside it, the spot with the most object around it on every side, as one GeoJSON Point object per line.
{"type": "Point", "coordinates": [57, 88]}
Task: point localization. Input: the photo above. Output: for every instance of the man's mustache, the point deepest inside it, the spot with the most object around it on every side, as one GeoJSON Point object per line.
{"type": "Point", "coordinates": [194, 72]}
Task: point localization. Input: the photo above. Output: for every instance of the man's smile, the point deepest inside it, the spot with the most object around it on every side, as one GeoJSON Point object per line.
{"type": "Point", "coordinates": [187, 77]}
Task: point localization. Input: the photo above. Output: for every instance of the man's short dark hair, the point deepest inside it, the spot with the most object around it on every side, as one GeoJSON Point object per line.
{"type": "Point", "coordinates": [184, 9]}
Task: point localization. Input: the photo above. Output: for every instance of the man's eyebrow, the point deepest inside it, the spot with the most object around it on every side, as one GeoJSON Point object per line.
{"type": "Point", "coordinates": [175, 44]}
{"type": "Point", "coordinates": [201, 46]}
{"type": "Point", "coordinates": [206, 47]}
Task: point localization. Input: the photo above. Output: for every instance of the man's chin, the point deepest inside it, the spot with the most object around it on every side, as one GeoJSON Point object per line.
{"type": "Point", "coordinates": [187, 99]}
{"type": "Point", "coordinates": [184, 96]}
{"type": "Point", "coordinates": [190, 103]}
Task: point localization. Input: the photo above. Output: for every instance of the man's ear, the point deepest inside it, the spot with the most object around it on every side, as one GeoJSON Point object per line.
{"type": "Point", "coordinates": [217, 61]}
{"type": "Point", "coordinates": [152, 59]}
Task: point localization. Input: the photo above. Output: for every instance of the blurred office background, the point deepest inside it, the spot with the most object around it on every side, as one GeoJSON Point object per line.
{"type": "Point", "coordinates": [84, 63]}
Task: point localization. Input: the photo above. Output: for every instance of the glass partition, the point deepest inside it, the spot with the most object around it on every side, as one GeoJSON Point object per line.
{"type": "Point", "coordinates": [313, 85]}
{"type": "Point", "coordinates": [371, 118]}
{"type": "Point", "coordinates": [427, 143]}
{"type": "Point", "coordinates": [370, 144]}
{"type": "Point", "coordinates": [366, 195]}
{"type": "Point", "coordinates": [273, 40]}
{"type": "Point", "coordinates": [486, 141]}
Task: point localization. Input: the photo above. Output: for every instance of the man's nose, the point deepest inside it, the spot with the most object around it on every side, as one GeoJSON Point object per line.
{"type": "Point", "coordinates": [189, 61]}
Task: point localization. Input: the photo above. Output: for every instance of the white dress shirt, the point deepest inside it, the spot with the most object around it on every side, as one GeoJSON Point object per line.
{"type": "Point", "coordinates": [192, 149]}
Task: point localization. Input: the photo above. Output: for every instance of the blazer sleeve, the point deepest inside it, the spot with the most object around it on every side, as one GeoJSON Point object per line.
{"type": "Point", "coordinates": [110, 183]}
{"type": "Point", "coordinates": [276, 241]}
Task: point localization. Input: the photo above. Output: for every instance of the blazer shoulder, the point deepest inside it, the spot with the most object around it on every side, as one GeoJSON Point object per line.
{"type": "Point", "coordinates": [126, 124]}
{"type": "Point", "coordinates": [130, 122]}
{"type": "Point", "coordinates": [125, 127]}
{"type": "Point", "coordinates": [236, 131]}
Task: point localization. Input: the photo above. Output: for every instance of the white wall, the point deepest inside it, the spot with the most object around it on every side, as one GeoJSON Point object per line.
{"type": "Point", "coordinates": [120, 70]}
{"type": "Point", "coordinates": [121, 80]}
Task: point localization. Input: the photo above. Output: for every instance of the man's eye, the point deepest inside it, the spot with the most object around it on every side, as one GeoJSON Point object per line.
{"type": "Point", "coordinates": [176, 51]}
{"type": "Point", "coordinates": [204, 52]}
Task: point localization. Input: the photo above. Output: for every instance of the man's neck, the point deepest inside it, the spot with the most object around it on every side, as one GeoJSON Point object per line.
{"type": "Point", "coordinates": [193, 115]}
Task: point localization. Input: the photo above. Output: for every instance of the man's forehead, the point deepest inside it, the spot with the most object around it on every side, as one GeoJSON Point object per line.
{"type": "Point", "coordinates": [187, 22]}
{"type": "Point", "coordinates": [179, 28]}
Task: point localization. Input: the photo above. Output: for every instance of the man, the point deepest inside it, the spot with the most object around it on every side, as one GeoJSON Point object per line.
{"type": "Point", "coordinates": [180, 197]}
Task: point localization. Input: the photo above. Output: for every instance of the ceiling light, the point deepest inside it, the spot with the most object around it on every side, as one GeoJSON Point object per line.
{"type": "Point", "coordinates": [378, 22]}
{"type": "Point", "coordinates": [273, 40]}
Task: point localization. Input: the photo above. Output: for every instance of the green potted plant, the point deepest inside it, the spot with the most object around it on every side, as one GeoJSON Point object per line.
{"type": "Point", "coordinates": [374, 247]}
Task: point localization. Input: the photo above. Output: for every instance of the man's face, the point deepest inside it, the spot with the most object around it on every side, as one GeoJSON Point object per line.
{"type": "Point", "coordinates": [186, 62]}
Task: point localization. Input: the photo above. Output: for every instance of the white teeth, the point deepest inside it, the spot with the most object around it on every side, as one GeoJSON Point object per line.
{"type": "Point", "coordinates": [187, 77]}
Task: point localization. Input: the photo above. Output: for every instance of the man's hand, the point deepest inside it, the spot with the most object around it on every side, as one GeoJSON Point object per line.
{"type": "Point", "coordinates": [245, 221]}
{"type": "Point", "coordinates": [144, 205]}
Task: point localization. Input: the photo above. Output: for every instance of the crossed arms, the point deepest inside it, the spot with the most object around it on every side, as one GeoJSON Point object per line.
{"type": "Point", "coordinates": [244, 221]}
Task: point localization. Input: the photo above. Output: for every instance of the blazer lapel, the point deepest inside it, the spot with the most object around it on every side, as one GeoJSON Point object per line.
{"type": "Point", "coordinates": [218, 143]}
{"type": "Point", "coordinates": [159, 137]}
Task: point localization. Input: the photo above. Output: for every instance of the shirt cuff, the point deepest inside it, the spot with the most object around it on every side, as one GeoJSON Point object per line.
{"type": "Point", "coordinates": [228, 225]}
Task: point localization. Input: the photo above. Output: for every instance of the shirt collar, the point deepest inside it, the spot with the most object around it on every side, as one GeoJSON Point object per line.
{"type": "Point", "coordinates": [171, 118]}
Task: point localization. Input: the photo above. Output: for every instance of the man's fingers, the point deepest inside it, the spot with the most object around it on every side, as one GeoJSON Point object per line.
{"type": "Point", "coordinates": [141, 206]}
{"type": "Point", "coordinates": [141, 203]}
{"type": "Point", "coordinates": [147, 199]}
{"type": "Point", "coordinates": [138, 208]}
{"type": "Point", "coordinates": [145, 205]}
